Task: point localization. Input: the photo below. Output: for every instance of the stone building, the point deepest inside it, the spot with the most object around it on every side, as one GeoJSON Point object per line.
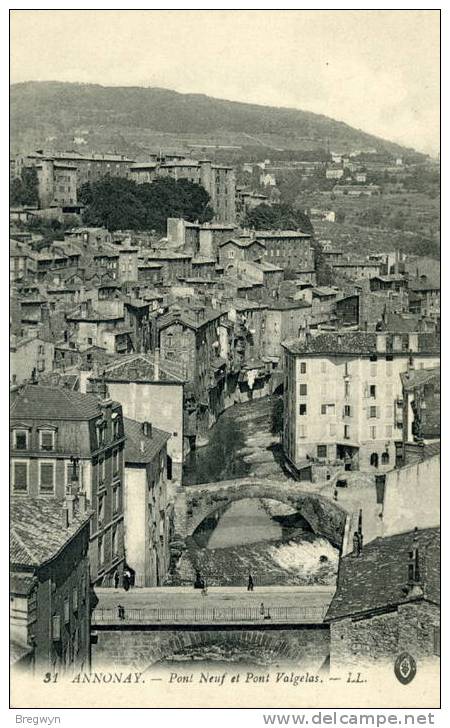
{"type": "Point", "coordinates": [290, 249]}
{"type": "Point", "coordinates": [236, 250]}
{"type": "Point", "coordinates": [50, 605]}
{"type": "Point", "coordinates": [64, 443]}
{"type": "Point", "coordinates": [148, 512]}
{"type": "Point", "coordinates": [421, 413]}
{"type": "Point", "coordinates": [343, 395]}
{"type": "Point", "coordinates": [149, 391]}
{"type": "Point", "coordinates": [387, 601]}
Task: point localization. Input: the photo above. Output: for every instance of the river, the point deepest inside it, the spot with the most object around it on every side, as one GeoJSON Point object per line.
{"type": "Point", "coordinates": [261, 537]}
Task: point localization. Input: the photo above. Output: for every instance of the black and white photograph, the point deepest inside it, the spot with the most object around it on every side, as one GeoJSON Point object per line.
{"type": "Point", "coordinates": [224, 358]}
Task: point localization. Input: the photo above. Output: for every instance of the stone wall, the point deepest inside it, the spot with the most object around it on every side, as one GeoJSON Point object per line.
{"type": "Point", "coordinates": [381, 638]}
{"type": "Point", "coordinates": [133, 649]}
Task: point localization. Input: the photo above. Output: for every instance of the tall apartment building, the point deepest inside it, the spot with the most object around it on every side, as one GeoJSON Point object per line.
{"type": "Point", "coordinates": [63, 444]}
{"type": "Point", "coordinates": [343, 395]}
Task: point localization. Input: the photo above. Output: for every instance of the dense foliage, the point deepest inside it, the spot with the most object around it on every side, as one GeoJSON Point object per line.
{"type": "Point", "coordinates": [23, 190]}
{"type": "Point", "coordinates": [118, 203]}
{"type": "Point", "coordinates": [278, 217]}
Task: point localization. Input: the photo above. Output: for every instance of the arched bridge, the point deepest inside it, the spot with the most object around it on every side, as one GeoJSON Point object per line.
{"type": "Point", "coordinates": [194, 503]}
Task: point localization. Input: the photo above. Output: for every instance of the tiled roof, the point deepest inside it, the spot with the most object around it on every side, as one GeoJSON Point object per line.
{"type": "Point", "coordinates": [281, 234]}
{"type": "Point", "coordinates": [242, 242]}
{"type": "Point", "coordinates": [138, 447]}
{"type": "Point", "coordinates": [378, 579]}
{"type": "Point", "coordinates": [54, 403]}
{"type": "Point", "coordinates": [36, 531]}
{"type": "Point", "coordinates": [359, 342]}
{"type": "Point", "coordinates": [424, 284]}
{"type": "Point", "coordinates": [140, 367]}
{"type": "Point", "coordinates": [21, 583]}
{"type": "Point", "coordinates": [418, 377]}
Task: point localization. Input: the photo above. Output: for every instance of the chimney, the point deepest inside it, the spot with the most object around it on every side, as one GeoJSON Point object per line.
{"type": "Point", "coordinates": [381, 343]}
{"type": "Point", "coordinates": [156, 365]}
{"type": "Point", "coordinates": [414, 580]}
{"type": "Point", "coordinates": [147, 429]}
{"type": "Point", "coordinates": [65, 517]}
{"type": "Point", "coordinates": [82, 506]}
{"type": "Point", "coordinates": [358, 537]}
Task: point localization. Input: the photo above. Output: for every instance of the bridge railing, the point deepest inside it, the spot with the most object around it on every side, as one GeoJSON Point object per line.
{"type": "Point", "coordinates": [148, 615]}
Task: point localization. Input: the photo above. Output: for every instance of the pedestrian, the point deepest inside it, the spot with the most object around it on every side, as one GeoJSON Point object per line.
{"type": "Point", "coordinates": [205, 588]}
{"type": "Point", "coordinates": [250, 583]}
{"type": "Point", "coordinates": [121, 611]}
{"type": "Point", "coordinates": [116, 579]}
{"type": "Point", "coordinates": [126, 580]}
{"type": "Point", "coordinates": [262, 610]}
{"type": "Point", "coordinates": [198, 583]}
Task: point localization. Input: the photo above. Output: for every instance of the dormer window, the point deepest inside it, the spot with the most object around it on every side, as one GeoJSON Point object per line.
{"type": "Point", "coordinates": [20, 439]}
{"type": "Point", "coordinates": [47, 440]}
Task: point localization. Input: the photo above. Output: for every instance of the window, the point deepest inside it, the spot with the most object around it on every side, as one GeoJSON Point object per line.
{"type": "Point", "coordinates": [101, 552]}
{"type": "Point", "coordinates": [20, 439]}
{"type": "Point", "coordinates": [47, 440]}
{"type": "Point", "coordinates": [389, 412]}
{"type": "Point", "coordinates": [101, 470]}
{"type": "Point", "coordinates": [116, 428]}
{"type": "Point", "coordinates": [302, 409]}
{"type": "Point", "coordinates": [332, 430]}
{"type": "Point", "coordinates": [75, 598]}
{"type": "Point", "coordinates": [347, 432]}
{"type": "Point", "coordinates": [116, 499]}
{"type": "Point", "coordinates": [372, 411]}
{"type": "Point", "coordinates": [385, 458]}
{"type": "Point", "coordinates": [373, 433]}
{"type": "Point", "coordinates": [373, 391]}
{"type": "Point", "coordinates": [302, 431]}
{"type": "Point", "coordinates": [323, 409]}
{"type": "Point", "coordinates": [389, 431]}
{"type": "Point", "coordinates": [115, 462]}
{"type": "Point", "coordinates": [321, 451]}
{"type": "Point", "coordinates": [66, 610]}
{"type": "Point", "coordinates": [101, 433]}
{"type": "Point", "coordinates": [347, 410]}
{"type": "Point", "coordinates": [388, 368]}
{"type": "Point", "coordinates": [56, 627]}
{"type": "Point", "coordinates": [373, 369]}
{"type": "Point", "coordinates": [20, 476]}
{"type": "Point", "coordinates": [303, 390]}
{"type": "Point", "coordinates": [303, 367]}
{"type": "Point", "coordinates": [115, 541]}
{"type": "Point", "coordinates": [101, 509]}
{"type": "Point", "coordinates": [374, 460]}
{"type": "Point", "coordinates": [47, 477]}
{"type": "Point", "coordinates": [231, 253]}
{"type": "Point", "coordinates": [347, 389]}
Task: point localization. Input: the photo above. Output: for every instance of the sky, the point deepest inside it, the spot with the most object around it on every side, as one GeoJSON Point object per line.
{"type": "Point", "coordinates": [376, 70]}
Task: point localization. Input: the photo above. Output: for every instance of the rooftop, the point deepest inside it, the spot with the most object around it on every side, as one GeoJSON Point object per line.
{"type": "Point", "coordinates": [361, 343]}
{"type": "Point", "coordinates": [54, 403]}
{"type": "Point", "coordinates": [140, 448]}
{"type": "Point", "coordinates": [36, 532]}
{"type": "Point", "coordinates": [141, 368]}
{"type": "Point", "coordinates": [378, 578]}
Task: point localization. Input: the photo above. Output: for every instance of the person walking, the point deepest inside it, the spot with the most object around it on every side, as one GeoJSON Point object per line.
{"type": "Point", "coordinates": [116, 579]}
{"type": "Point", "coordinates": [126, 580]}
{"type": "Point", "coordinates": [262, 610]}
{"type": "Point", "coordinates": [250, 583]}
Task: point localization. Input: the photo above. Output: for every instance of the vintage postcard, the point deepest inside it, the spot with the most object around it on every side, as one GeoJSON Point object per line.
{"type": "Point", "coordinates": [225, 358]}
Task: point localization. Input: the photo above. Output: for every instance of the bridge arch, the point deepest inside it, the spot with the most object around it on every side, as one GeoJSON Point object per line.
{"type": "Point", "coordinates": [197, 503]}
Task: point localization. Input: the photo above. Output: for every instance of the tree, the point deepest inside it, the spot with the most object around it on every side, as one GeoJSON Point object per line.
{"type": "Point", "coordinates": [23, 190]}
{"type": "Point", "coordinates": [324, 274]}
{"type": "Point", "coordinates": [278, 217]}
{"type": "Point", "coordinates": [276, 425]}
{"type": "Point", "coordinates": [119, 203]}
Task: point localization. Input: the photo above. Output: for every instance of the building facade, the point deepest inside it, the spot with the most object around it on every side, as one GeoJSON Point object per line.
{"type": "Point", "coordinates": [64, 443]}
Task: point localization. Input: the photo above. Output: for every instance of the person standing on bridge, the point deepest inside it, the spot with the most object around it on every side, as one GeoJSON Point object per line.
{"type": "Point", "coordinates": [250, 584]}
{"type": "Point", "coordinates": [116, 579]}
{"type": "Point", "coordinates": [262, 610]}
{"type": "Point", "coordinates": [126, 580]}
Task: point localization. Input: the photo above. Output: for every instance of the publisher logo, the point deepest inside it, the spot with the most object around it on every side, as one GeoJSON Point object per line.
{"type": "Point", "coordinates": [405, 668]}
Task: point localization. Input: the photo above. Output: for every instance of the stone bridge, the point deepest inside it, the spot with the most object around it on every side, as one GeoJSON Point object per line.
{"type": "Point", "coordinates": [138, 649]}
{"type": "Point", "coordinates": [194, 503]}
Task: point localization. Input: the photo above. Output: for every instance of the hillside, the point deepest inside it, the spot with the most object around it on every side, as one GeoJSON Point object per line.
{"type": "Point", "coordinates": [133, 120]}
